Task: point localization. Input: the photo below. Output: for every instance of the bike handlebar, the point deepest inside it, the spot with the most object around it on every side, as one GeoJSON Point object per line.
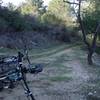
{"type": "Point", "coordinates": [18, 60]}
{"type": "Point", "coordinates": [38, 68]}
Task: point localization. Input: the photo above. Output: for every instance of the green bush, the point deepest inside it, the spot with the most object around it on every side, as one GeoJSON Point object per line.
{"type": "Point", "coordinates": [3, 25]}
{"type": "Point", "coordinates": [51, 19]}
{"type": "Point", "coordinates": [13, 20]}
{"type": "Point", "coordinates": [97, 50]}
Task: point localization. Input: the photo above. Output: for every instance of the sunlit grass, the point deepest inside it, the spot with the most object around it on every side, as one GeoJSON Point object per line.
{"type": "Point", "coordinates": [60, 78]}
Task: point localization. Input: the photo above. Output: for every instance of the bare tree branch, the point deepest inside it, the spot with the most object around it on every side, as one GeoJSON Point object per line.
{"type": "Point", "coordinates": [71, 2]}
{"type": "Point", "coordinates": [75, 12]}
{"type": "Point", "coordinates": [82, 26]}
{"type": "Point", "coordinates": [78, 15]}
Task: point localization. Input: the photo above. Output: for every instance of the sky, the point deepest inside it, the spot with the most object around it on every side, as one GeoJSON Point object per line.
{"type": "Point", "coordinates": [17, 2]}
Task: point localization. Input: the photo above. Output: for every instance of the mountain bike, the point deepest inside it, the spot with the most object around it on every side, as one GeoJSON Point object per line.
{"type": "Point", "coordinates": [12, 70]}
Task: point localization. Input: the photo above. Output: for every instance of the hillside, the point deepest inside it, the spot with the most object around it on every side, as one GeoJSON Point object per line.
{"type": "Point", "coordinates": [17, 40]}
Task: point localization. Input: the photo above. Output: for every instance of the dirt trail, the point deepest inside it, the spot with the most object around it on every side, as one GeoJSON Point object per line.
{"type": "Point", "coordinates": [63, 78]}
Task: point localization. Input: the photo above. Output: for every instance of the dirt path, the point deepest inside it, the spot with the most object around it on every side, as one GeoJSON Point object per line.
{"type": "Point", "coordinates": [64, 78]}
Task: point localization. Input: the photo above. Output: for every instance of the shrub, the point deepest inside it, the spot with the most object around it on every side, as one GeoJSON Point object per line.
{"type": "Point", "coordinates": [51, 19]}
{"type": "Point", "coordinates": [3, 25]}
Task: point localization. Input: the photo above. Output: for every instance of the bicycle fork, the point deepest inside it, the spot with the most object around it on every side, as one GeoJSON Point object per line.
{"type": "Point", "coordinates": [26, 88]}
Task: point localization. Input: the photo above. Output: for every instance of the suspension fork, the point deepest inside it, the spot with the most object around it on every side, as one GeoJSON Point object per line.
{"type": "Point", "coordinates": [26, 87]}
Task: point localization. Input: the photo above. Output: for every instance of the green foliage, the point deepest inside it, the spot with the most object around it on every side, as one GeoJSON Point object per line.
{"type": "Point", "coordinates": [37, 4]}
{"type": "Point", "coordinates": [11, 6]}
{"type": "Point", "coordinates": [51, 19]}
{"type": "Point", "coordinates": [56, 22]}
{"type": "Point", "coordinates": [58, 17]}
{"type": "Point", "coordinates": [28, 9]}
{"type": "Point", "coordinates": [61, 11]}
{"type": "Point", "coordinates": [97, 50]}
{"type": "Point", "coordinates": [13, 20]}
{"type": "Point", "coordinates": [3, 25]}
{"type": "Point", "coordinates": [91, 16]}
{"type": "Point", "coordinates": [56, 27]}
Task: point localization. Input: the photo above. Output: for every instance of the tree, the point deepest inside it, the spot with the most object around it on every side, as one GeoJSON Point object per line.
{"type": "Point", "coordinates": [28, 9]}
{"type": "Point", "coordinates": [11, 6]}
{"type": "Point", "coordinates": [38, 4]}
{"type": "Point", "coordinates": [91, 16]}
{"type": "Point", "coordinates": [61, 10]}
{"type": "Point", "coordinates": [91, 47]}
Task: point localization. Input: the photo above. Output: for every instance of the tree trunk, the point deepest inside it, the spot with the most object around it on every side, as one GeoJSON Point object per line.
{"type": "Point", "coordinates": [91, 47]}
{"type": "Point", "coordinates": [90, 51]}
{"type": "Point", "coordinates": [89, 57]}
